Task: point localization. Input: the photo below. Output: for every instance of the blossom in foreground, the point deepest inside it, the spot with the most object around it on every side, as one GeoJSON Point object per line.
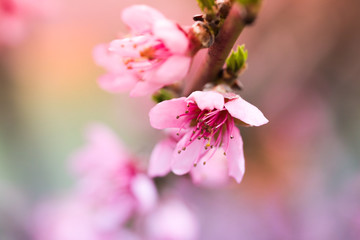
{"type": "Point", "coordinates": [156, 54]}
{"type": "Point", "coordinates": [206, 123]}
{"type": "Point", "coordinates": [111, 189]}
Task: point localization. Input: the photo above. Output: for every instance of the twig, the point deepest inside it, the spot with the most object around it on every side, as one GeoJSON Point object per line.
{"type": "Point", "coordinates": [218, 52]}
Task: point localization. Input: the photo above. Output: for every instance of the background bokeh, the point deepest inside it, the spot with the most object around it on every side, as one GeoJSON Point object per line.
{"type": "Point", "coordinates": [302, 176]}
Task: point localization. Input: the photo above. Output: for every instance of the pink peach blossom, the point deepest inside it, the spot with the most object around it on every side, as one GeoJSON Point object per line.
{"type": "Point", "coordinates": [157, 54]}
{"type": "Point", "coordinates": [206, 123]}
{"type": "Point", "coordinates": [110, 190]}
{"type": "Point", "coordinates": [108, 174]}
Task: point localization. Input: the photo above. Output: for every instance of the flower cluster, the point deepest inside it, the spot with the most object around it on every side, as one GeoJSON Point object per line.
{"type": "Point", "coordinates": [114, 198]}
{"type": "Point", "coordinates": [203, 125]}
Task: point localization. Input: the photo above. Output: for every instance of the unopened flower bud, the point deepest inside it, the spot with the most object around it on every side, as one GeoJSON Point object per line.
{"type": "Point", "coordinates": [203, 34]}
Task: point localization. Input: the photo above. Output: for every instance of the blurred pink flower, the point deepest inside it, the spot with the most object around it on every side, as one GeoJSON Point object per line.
{"type": "Point", "coordinates": [171, 220]}
{"type": "Point", "coordinates": [14, 18]}
{"type": "Point", "coordinates": [157, 54]}
{"type": "Point", "coordinates": [209, 117]}
{"type": "Point", "coordinates": [109, 175]}
{"type": "Point", "coordinates": [111, 189]}
{"type": "Point", "coordinates": [75, 218]}
{"type": "Point", "coordinates": [11, 22]}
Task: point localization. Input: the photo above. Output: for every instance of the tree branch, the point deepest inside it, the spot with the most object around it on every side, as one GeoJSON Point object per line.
{"type": "Point", "coordinates": [218, 52]}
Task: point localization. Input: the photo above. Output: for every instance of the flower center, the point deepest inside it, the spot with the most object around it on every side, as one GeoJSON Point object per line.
{"type": "Point", "coordinates": [213, 127]}
{"type": "Point", "coordinates": [142, 53]}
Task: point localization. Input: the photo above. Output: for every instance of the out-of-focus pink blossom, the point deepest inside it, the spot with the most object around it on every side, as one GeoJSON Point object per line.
{"type": "Point", "coordinates": [75, 218]}
{"type": "Point", "coordinates": [11, 22]}
{"type": "Point", "coordinates": [171, 220]}
{"type": "Point", "coordinates": [157, 54]}
{"type": "Point", "coordinates": [207, 120]}
{"type": "Point", "coordinates": [14, 18]}
{"type": "Point", "coordinates": [111, 189]}
{"type": "Point", "coordinates": [109, 175]}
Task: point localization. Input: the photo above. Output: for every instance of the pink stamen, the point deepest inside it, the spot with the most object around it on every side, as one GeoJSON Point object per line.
{"type": "Point", "coordinates": [222, 122]}
{"type": "Point", "coordinates": [215, 127]}
{"type": "Point", "coordinates": [186, 122]}
{"type": "Point", "coordinates": [229, 132]}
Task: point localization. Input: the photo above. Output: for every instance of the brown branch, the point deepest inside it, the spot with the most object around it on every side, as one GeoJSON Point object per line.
{"type": "Point", "coordinates": [218, 52]}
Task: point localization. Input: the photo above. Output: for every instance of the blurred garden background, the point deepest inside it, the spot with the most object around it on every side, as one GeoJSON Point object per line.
{"type": "Point", "coordinates": [302, 177]}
